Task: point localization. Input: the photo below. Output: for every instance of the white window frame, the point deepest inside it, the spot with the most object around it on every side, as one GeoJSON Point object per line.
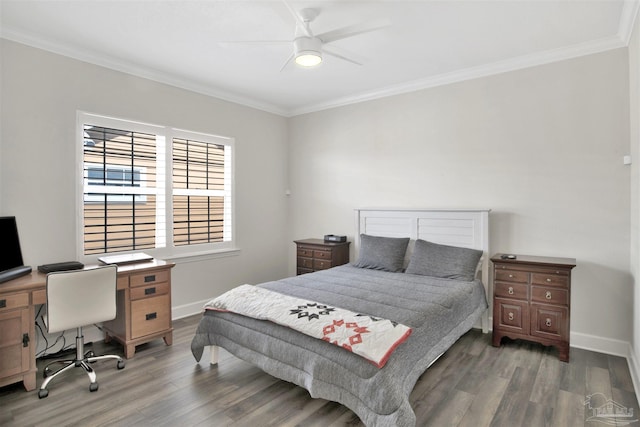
{"type": "Point", "coordinates": [164, 190]}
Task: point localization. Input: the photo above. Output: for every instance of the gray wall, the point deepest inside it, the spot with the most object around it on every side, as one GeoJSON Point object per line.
{"type": "Point", "coordinates": [41, 93]}
{"type": "Point", "coordinates": [542, 147]}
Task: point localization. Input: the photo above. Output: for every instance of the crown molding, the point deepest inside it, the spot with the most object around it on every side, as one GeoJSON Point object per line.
{"type": "Point", "coordinates": [518, 63]}
{"type": "Point", "coordinates": [138, 71]}
{"type": "Point", "coordinates": [628, 16]}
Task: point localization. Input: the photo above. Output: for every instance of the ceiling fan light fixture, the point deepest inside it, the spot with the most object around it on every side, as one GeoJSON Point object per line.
{"type": "Point", "coordinates": [308, 58]}
{"type": "Point", "coordinates": [307, 51]}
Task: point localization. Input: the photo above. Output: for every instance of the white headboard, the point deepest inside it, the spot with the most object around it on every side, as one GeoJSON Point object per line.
{"type": "Point", "coordinates": [456, 227]}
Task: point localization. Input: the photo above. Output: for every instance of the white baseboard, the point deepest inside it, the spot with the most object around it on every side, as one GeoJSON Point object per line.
{"type": "Point", "coordinates": [600, 344]}
{"type": "Point", "coordinates": [187, 310]}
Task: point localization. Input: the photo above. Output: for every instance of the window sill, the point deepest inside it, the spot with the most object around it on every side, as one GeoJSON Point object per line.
{"type": "Point", "coordinates": [202, 256]}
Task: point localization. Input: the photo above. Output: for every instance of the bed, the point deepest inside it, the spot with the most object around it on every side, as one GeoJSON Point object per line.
{"type": "Point", "coordinates": [439, 309]}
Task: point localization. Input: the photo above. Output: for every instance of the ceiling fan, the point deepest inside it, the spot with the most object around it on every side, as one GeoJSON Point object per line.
{"type": "Point", "coordinates": [308, 48]}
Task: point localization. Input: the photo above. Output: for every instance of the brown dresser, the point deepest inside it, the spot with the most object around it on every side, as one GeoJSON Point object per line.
{"type": "Point", "coordinates": [316, 254]}
{"type": "Point", "coordinates": [532, 300]}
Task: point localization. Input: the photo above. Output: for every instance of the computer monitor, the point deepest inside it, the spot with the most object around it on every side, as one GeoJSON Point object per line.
{"type": "Point", "coordinates": [10, 253]}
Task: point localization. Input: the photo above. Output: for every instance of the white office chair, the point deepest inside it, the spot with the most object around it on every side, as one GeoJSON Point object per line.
{"type": "Point", "coordinates": [75, 299]}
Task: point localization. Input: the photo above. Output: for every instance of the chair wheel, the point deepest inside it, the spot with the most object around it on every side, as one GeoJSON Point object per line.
{"type": "Point", "coordinates": [120, 364]}
{"type": "Point", "coordinates": [42, 393]}
{"type": "Point", "coordinates": [46, 372]}
{"type": "Point", "coordinates": [93, 387]}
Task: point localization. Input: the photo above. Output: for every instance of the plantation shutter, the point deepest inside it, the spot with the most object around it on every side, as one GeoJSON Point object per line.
{"type": "Point", "coordinates": [123, 191]}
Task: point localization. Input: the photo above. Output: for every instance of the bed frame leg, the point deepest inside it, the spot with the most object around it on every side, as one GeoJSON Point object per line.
{"type": "Point", "coordinates": [485, 322]}
{"type": "Point", "coordinates": [214, 354]}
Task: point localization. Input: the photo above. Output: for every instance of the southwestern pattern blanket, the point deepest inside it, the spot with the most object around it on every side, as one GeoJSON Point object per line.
{"type": "Point", "coordinates": [371, 337]}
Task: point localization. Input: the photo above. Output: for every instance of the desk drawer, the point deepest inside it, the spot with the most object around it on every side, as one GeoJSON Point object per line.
{"type": "Point", "coordinates": [11, 301]}
{"type": "Point", "coordinates": [149, 315]}
{"type": "Point", "coordinates": [149, 291]}
{"type": "Point", "coordinates": [144, 279]}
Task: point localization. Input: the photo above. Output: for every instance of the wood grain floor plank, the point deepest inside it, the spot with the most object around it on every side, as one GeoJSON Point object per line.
{"type": "Point", "coordinates": [515, 398]}
{"type": "Point", "coordinates": [486, 402]}
{"type": "Point", "coordinates": [547, 384]}
{"type": "Point", "coordinates": [569, 411]}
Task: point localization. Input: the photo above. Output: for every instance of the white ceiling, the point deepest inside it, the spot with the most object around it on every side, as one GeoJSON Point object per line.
{"type": "Point", "coordinates": [427, 43]}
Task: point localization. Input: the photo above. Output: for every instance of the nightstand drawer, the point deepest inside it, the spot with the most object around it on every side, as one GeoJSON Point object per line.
{"type": "Point", "coordinates": [319, 264]}
{"type": "Point", "coordinates": [322, 254]}
{"type": "Point", "coordinates": [150, 315]}
{"type": "Point", "coordinates": [511, 290]}
{"type": "Point", "coordinates": [512, 276]}
{"type": "Point", "coordinates": [513, 315]}
{"type": "Point", "coordinates": [549, 295]}
{"type": "Point", "coordinates": [305, 252]}
{"type": "Point", "coordinates": [305, 262]}
{"type": "Point", "coordinates": [549, 322]}
{"type": "Point", "coordinates": [549, 279]}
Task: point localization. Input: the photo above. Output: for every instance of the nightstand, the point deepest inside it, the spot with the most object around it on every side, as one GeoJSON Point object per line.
{"type": "Point", "coordinates": [316, 254]}
{"type": "Point", "coordinates": [532, 300]}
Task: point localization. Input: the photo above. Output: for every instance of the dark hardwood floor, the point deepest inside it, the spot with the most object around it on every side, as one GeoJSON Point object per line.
{"type": "Point", "coordinates": [473, 384]}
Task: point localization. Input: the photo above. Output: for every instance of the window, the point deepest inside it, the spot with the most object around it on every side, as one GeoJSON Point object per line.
{"type": "Point", "coordinates": [162, 190]}
{"type": "Point", "coordinates": [114, 175]}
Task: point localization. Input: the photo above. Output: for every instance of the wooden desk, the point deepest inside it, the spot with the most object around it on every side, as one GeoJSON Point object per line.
{"type": "Point", "coordinates": [144, 314]}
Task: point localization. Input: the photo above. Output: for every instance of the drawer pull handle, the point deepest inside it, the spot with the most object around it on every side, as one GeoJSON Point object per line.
{"type": "Point", "coordinates": [548, 279]}
{"type": "Point", "coordinates": [150, 291]}
{"type": "Point", "coordinates": [151, 316]}
{"type": "Point", "coordinates": [547, 322]}
{"type": "Point", "coordinates": [510, 315]}
{"type": "Point", "coordinates": [151, 278]}
{"type": "Point", "coordinates": [547, 295]}
{"type": "Point", "coordinates": [3, 303]}
{"type": "Point", "coordinates": [511, 276]}
{"type": "Point", "coordinates": [510, 290]}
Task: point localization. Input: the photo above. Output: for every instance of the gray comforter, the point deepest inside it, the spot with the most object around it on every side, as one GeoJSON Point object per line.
{"type": "Point", "coordinates": [438, 310]}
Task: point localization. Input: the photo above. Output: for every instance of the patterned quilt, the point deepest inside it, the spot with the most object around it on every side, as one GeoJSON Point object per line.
{"type": "Point", "coordinates": [368, 336]}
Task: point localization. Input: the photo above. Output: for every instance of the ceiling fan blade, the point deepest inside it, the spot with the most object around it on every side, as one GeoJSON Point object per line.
{"type": "Point", "coordinates": [287, 62]}
{"type": "Point", "coordinates": [299, 22]}
{"type": "Point", "coordinates": [351, 30]}
{"type": "Point", "coordinates": [330, 51]}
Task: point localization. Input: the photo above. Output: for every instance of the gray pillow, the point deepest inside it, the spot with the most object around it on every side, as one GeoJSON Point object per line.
{"type": "Point", "coordinates": [382, 253]}
{"type": "Point", "coordinates": [449, 262]}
